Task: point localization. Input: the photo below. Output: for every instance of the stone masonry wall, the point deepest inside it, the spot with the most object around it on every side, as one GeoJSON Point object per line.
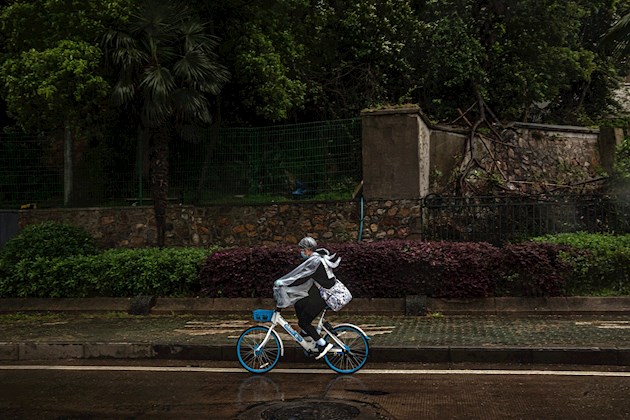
{"type": "Point", "coordinates": [134, 227]}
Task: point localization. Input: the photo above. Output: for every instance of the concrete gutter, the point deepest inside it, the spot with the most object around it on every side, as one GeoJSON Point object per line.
{"type": "Point", "coordinates": [411, 305]}
{"type": "Point", "coordinates": [610, 356]}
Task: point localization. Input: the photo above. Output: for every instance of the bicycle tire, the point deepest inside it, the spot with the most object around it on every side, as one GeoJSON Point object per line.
{"type": "Point", "coordinates": [352, 358]}
{"type": "Point", "coordinates": [267, 357]}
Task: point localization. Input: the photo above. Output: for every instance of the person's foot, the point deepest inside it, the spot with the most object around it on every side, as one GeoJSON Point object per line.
{"type": "Point", "coordinates": [323, 349]}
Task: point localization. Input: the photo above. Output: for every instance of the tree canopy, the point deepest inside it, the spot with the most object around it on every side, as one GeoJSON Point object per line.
{"type": "Point", "coordinates": [305, 60]}
{"type": "Point", "coordinates": [51, 64]}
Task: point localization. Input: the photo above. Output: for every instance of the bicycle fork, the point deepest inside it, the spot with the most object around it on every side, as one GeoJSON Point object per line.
{"type": "Point", "coordinates": [340, 345]}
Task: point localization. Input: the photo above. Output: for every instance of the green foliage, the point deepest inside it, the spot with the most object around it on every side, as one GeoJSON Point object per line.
{"type": "Point", "coordinates": [310, 60]}
{"type": "Point", "coordinates": [41, 24]}
{"type": "Point", "coordinates": [361, 54]}
{"type": "Point", "coordinates": [51, 70]}
{"type": "Point", "coordinates": [621, 171]}
{"type": "Point", "coordinates": [600, 262]}
{"type": "Point", "coordinates": [45, 88]}
{"type": "Point", "coordinates": [617, 39]}
{"type": "Point", "coordinates": [47, 240]}
{"type": "Point", "coordinates": [116, 273]}
{"type": "Point", "coordinates": [267, 85]}
{"type": "Point", "coordinates": [166, 65]}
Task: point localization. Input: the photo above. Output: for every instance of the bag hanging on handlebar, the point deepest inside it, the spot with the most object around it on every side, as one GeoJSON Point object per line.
{"type": "Point", "coordinates": [337, 296]}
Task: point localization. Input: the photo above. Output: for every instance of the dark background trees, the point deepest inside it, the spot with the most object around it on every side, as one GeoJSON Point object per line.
{"type": "Point", "coordinates": [307, 60]}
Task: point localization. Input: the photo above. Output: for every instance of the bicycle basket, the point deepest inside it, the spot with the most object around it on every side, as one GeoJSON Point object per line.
{"type": "Point", "coordinates": [263, 315]}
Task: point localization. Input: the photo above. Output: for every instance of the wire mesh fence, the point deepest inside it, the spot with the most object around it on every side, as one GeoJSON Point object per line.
{"type": "Point", "coordinates": [320, 160]}
{"type": "Point", "coordinates": [29, 171]}
{"type": "Point", "coordinates": [502, 219]}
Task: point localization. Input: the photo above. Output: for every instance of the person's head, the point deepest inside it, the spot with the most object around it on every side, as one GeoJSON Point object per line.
{"type": "Point", "coordinates": [307, 246]}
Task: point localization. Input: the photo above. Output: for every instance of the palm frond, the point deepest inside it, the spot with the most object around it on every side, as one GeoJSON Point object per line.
{"type": "Point", "coordinates": [617, 40]}
{"type": "Point", "coordinates": [123, 92]}
{"type": "Point", "coordinates": [167, 64]}
{"type": "Point", "coordinates": [191, 105]}
{"type": "Point", "coordinates": [155, 113]}
{"type": "Point", "coordinates": [157, 82]}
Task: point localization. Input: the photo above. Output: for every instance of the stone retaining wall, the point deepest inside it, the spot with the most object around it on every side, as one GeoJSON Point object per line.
{"type": "Point", "coordinates": [134, 227]}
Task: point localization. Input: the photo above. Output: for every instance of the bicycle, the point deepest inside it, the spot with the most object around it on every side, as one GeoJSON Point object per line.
{"type": "Point", "coordinates": [259, 348]}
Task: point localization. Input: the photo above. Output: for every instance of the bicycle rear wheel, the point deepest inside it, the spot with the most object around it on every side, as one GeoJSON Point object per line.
{"type": "Point", "coordinates": [266, 357]}
{"type": "Point", "coordinates": [353, 356]}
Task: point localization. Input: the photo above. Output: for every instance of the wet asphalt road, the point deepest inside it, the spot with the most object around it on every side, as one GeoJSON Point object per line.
{"type": "Point", "coordinates": [300, 391]}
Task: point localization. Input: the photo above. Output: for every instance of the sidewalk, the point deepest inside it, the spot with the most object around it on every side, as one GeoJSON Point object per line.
{"type": "Point", "coordinates": [596, 332]}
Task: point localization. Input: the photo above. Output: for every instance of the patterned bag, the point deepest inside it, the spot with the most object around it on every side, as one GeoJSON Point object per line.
{"type": "Point", "coordinates": [337, 296]}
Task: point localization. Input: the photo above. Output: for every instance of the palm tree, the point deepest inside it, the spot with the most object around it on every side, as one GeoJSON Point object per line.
{"type": "Point", "coordinates": [168, 72]}
{"type": "Point", "coordinates": [617, 39]}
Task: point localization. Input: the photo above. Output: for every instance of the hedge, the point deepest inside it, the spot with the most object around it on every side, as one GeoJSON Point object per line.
{"type": "Point", "coordinates": [398, 268]}
{"type": "Point", "coordinates": [113, 273]}
{"type": "Point", "coordinates": [601, 262]}
{"type": "Point", "coordinates": [566, 264]}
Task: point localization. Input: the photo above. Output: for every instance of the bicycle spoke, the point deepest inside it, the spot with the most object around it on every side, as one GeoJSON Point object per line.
{"type": "Point", "coordinates": [352, 355]}
{"type": "Point", "coordinates": [253, 357]}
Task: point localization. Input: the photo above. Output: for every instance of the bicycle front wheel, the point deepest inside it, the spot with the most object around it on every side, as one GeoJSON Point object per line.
{"type": "Point", "coordinates": [354, 353]}
{"type": "Point", "coordinates": [253, 358]}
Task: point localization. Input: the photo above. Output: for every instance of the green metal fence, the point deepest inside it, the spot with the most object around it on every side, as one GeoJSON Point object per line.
{"type": "Point", "coordinates": [320, 160]}
{"type": "Point", "coordinates": [29, 170]}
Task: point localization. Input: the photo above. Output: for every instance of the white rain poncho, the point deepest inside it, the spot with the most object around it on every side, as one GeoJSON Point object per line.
{"type": "Point", "coordinates": [286, 295]}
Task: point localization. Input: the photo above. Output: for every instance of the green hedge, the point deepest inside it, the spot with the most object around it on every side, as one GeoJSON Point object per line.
{"type": "Point", "coordinates": [600, 262]}
{"type": "Point", "coordinates": [564, 264]}
{"type": "Point", "coordinates": [48, 239]}
{"type": "Point", "coordinates": [115, 273]}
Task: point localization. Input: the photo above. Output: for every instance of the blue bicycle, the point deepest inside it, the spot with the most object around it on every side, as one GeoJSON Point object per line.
{"type": "Point", "coordinates": [259, 348]}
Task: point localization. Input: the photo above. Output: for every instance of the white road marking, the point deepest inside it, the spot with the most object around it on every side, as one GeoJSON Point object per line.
{"type": "Point", "coordinates": [622, 325]}
{"type": "Point", "coordinates": [326, 371]}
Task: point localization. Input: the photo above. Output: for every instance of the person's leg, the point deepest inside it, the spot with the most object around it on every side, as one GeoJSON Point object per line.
{"type": "Point", "coordinates": [306, 310]}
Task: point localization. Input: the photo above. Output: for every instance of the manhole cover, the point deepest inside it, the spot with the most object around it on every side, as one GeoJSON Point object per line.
{"type": "Point", "coordinates": [315, 410]}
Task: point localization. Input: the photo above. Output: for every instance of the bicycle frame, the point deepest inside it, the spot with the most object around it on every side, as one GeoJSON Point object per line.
{"type": "Point", "coordinates": [308, 345]}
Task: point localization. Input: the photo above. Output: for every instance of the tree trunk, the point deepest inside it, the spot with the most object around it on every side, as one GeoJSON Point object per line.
{"type": "Point", "coordinates": [67, 164]}
{"type": "Point", "coordinates": [159, 182]}
{"type": "Point", "coordinates": [210, 144]}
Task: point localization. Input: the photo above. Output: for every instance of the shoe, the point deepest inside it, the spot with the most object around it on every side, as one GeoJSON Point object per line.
{"type": "Point", "coordinates": [323, 350]}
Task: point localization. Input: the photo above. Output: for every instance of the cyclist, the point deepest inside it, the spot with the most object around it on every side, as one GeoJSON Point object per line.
{"type": "Point", "coordinates": [300, 288]}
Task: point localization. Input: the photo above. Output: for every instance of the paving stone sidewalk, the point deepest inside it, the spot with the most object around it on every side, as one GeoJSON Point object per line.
{"type": "Point", "coordinates": [596, 339]}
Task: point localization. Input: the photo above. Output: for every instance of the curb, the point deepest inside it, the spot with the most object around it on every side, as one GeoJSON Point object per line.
{"type": "Point", "coordinates": [410, 305]}
{"type": "Point", "coordinates": [31, 351]}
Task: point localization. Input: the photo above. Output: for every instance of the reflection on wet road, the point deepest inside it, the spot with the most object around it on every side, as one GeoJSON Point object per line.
{"type": "Point", "coordinates": [225, 391]}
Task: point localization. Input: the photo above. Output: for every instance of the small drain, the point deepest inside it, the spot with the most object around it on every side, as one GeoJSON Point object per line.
{"type": "Point", "coordinates": [310, 409]}
{"type": "Point", "coordinates": [368, 392]}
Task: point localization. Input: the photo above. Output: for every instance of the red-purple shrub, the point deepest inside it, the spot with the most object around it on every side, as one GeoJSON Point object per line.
{"type": "Point", "coordinates": [246, 272]}
{"type": "Point", "coordinates": [533, 269]}
{"type": "Point", "coordinates": [395, 268]}
{"type": "Point", "coordinates": [399, 268]}
{"type": "Point", "coordinates": [467, 269]}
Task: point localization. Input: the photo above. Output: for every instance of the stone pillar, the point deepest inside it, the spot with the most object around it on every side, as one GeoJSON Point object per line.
{"type": "Point", "coordinates": [609, 139]}
{"type": "Point", "coordinates": [395, 154]}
